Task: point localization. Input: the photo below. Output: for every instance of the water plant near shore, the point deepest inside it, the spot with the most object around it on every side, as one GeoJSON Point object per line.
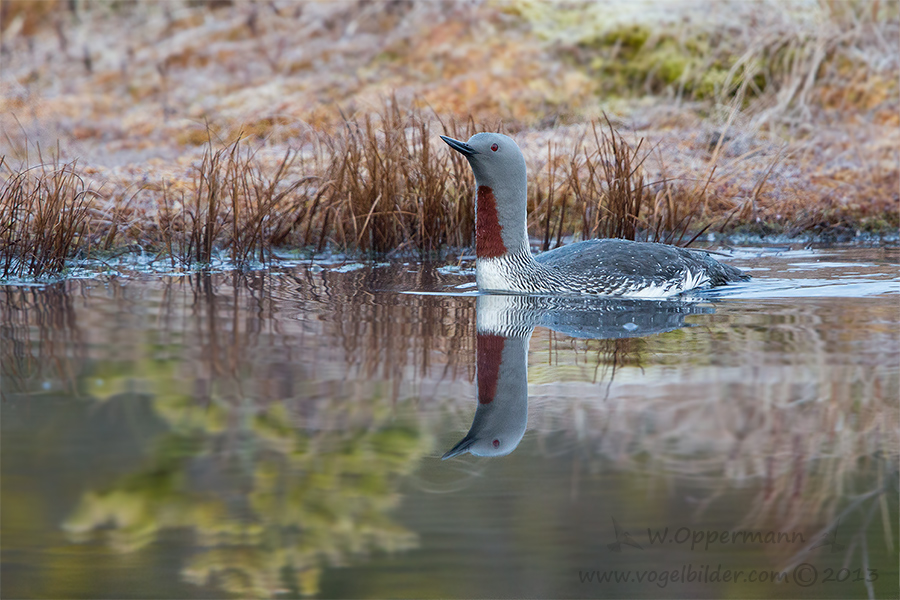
{"type": "Point", "coordinates": [229, 129]}
{"type": "Point", "coordinates": [44, 218]}
{"type": "Point", "coordinates": [378, 185]}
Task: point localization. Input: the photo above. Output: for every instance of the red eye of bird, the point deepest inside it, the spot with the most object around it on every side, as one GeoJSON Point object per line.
{"type": "Point", "coordinates": [495, 147]}
{"type": "Point", "coordinates": [495, 443]}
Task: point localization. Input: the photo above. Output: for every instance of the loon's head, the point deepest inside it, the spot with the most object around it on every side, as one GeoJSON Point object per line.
{"type": "Point", "coordinates": [500, 173]}
{"type": "Point", "coordinates": [495, 158]}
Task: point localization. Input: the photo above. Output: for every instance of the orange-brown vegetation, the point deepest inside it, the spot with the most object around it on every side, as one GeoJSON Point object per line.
{"type": "Point", "coordinates": [243, 126]}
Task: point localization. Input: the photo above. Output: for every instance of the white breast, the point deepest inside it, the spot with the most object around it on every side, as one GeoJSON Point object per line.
{"type": "Point", "coordinates": [495, 274]}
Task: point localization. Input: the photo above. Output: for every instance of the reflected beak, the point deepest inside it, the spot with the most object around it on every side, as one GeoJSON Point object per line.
{"type": "Point", "coordinates": [464, 444]}
{"type": "Point", "coordinates": [461, 147]}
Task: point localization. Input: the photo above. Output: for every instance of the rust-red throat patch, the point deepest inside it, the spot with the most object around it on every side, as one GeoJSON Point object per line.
{"type": "Point", "coordinates": [488, 241]}
{"type": "Point", "coordinates": [488, 356]}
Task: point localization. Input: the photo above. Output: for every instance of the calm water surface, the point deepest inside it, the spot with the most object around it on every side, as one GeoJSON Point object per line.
{"type": "Point", "coordinates": [281, 434]}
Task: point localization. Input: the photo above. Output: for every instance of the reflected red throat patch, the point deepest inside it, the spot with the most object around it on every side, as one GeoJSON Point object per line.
{"type": "Point", "coordinates": [489, 355]}
{"type": "Point", "coordinates": [488, 241]}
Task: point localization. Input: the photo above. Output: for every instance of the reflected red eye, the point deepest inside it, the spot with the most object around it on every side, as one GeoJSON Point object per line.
{"type": "Point", "coordinates": [495, 443]}
{"type": "Point", "coordinates": [495, 147]}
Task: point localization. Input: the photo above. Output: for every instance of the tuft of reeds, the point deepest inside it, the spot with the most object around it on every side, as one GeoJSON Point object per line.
{"type": "Point", "coordinates": [236, 206]}
{"type": "Point", "coordinates": [381, 183]}
{"type": "Point", "coordinates": [260, 205]}
{"type": "Point", "coordinates": [43, 218]}
{"type": "Point", "coordinates": [375, 186]}
{"type": "Point", "coordinates": [389, 190]}
{"type": "Point", "coordinates": [192, 226]}
{"type": "Point", "coordinates": [613, 194]}
{"type": "Point", "coordinates": [603, 192]}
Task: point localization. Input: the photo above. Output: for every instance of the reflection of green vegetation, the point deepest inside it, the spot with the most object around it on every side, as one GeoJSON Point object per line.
{"type": "Point", "coordinates": [775, 415]}
{"type": "Point", "coordinates": [141, 504]}
{"type": "Point", "coordinates": [313, 498]}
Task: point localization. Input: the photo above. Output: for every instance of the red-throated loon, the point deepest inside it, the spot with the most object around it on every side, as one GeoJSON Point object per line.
{"type": "Point", "coordinates": [610, 267]}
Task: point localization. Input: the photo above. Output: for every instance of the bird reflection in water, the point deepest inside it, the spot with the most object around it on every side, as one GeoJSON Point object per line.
{"type": "Point", "coordinates": [504, 327]}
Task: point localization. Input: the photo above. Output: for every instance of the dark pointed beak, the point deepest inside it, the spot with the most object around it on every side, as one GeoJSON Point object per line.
{"type": "Point", "coordinates": [461, 147]}
{"type": "Point", "coordinates": [464, 444]}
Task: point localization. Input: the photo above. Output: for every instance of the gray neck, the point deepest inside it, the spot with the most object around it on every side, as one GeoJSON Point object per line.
{"type": "Point", "coordinates": [512, 212]}
{"type": "Point", "coordinates": [511, 196]}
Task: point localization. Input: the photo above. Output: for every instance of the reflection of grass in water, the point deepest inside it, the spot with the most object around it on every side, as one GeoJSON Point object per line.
{"type": "Point", "coordinates": [802, 431]}
{"type": "Point", "coordinates": [795, 403]}
{"type": "Point", "coordinates": [812, 435]}
{"type": "Point", "coordinates": [26, 357]}
{"type": "Point", "coordinates": [311, 498]}
{"type": "Point", "coordinates": [318, 475]}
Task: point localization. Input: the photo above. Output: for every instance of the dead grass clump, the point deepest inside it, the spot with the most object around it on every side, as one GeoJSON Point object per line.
{"type": "Point", "coordinates": [602, 183]}
{"type": "Point", "coordinates": [236, 205]}
{"type": "Point", "coordinates": [375, 186]}
{"type": "Point", "coordinates": [382, 184]}
{"type": "Point", "coordinates": [603, 192]}
{"type": "Point", "coordinates": [390, 191]}
{"type": "Point", "coordinates": [43, 218]}
{"type": "Point", "coordinates": [257, 220]}
{"type": "Point", "coordinates": [617, 165]}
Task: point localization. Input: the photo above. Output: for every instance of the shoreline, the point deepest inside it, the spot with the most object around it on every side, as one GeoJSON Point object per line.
{"type": "Point", "coordinates": [317, 124]}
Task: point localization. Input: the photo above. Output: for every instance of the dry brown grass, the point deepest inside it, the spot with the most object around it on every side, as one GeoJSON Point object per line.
{"type": "Point", "coordinates": [44, 218]}
{"type": "Point", "coordinates": [378, 185]}
{"type": "Point", "coordinates": [601, 185]}
{"type": "Point", "coordinates": [604, 191]}
{"type": "Point", "coordinates": [235, 205]}
{"type": "Point", "coordinates": [382, 183]}
{"type": "Point", "coordinates": [765, 120]}
{"type": "Point", "coordinates": [389, 190]}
